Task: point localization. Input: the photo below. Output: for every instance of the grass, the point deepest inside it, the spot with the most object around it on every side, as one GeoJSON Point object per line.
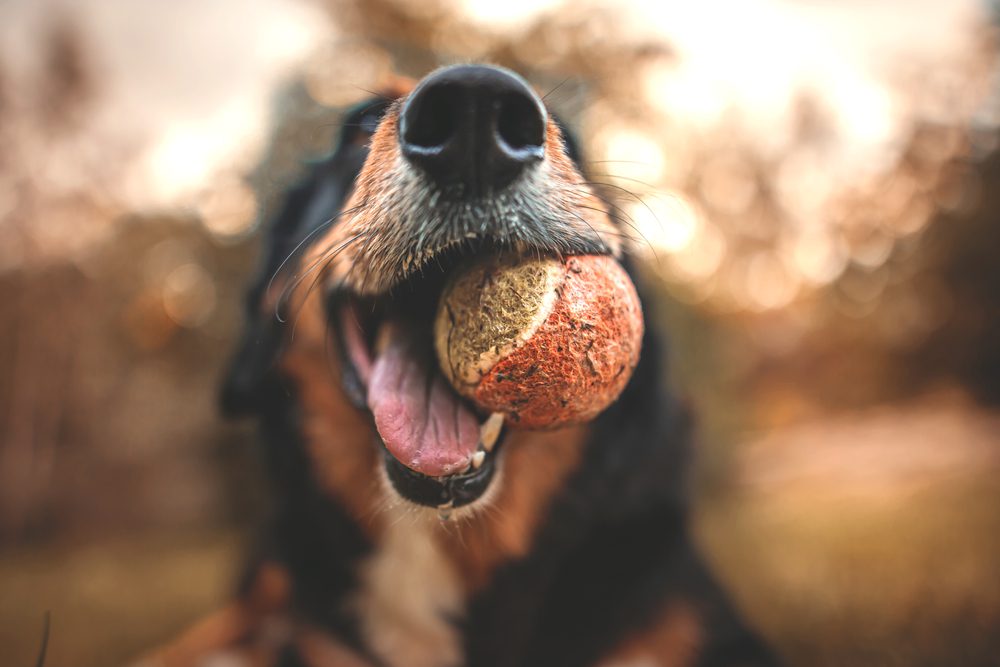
{"type": "Point", "coordinates": [110, 601]}
{"type": "Point", "coordinates": [836, 577]}
{"type": "Point", "coordinates": [875, 543]}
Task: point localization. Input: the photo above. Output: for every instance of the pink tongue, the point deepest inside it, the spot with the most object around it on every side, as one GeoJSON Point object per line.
{"type": "Point", "coordinates": [419, 417]}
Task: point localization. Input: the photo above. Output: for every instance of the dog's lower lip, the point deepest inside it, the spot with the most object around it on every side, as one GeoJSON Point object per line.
{"type": "Point", "coordinates": [444, 493]}
{"type": "Point", "coordinates": [450, 491]}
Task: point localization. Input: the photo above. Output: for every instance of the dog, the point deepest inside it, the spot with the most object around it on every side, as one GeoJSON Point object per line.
{"type": "Point", "coordinates": [567, 547]}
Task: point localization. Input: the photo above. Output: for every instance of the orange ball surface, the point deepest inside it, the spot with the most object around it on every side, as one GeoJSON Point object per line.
{"type": "Point", "coordinates": [547, 342]}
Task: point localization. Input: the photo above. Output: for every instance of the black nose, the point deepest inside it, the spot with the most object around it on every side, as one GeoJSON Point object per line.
{"type": "Point", "coordinates": [473, 129]}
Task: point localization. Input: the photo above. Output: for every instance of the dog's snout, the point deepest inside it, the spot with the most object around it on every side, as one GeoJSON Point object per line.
{"type": "Point", "coordinates": [473, 129]}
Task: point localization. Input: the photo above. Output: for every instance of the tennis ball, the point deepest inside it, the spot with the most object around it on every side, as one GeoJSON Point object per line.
{"type": "Point", "coordinates": [546, 342]}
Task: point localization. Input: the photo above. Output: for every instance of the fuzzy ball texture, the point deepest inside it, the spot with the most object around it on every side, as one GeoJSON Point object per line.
{"type": "Point", "coordinates": [546, 342]}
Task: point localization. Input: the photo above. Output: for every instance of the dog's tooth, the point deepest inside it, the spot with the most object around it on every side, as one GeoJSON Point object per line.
{"type": "Point", "coordinates": [444, 511]}
{"type": "Point", "coordinates": [490, 431]}
{"type": "Point", "coordinates": [478, 458]}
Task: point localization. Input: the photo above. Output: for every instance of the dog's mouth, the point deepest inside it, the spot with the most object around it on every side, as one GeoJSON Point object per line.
{"type": "Point", "coordinates": [438, 449]}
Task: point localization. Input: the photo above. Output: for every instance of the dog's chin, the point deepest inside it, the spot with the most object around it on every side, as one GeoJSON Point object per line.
{"type": "Point", "coordinates": [451, 497]}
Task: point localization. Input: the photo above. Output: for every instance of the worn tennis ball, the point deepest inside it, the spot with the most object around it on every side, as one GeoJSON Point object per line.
{"type": "Point", "coordinates": [546, 341]}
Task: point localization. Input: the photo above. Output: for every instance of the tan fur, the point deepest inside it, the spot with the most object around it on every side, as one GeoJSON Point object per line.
{"type": "Point", "coordinates": [672, 641]}
{"type": "Point", "coordinates": [340, 438]}
{"type": "Point", "coordinates": [591, 209]}
{"type": "Point", "coordinates": [317, 649]}
{"type": "Point", "coordinates": [376, 176]}
{"type": "Point", "coordinates": [410, 593]}
{"type": "Point", "coordinates": [534, 465]}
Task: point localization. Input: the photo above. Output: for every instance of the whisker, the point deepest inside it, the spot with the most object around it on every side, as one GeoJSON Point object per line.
{"type": "Point", "coordinates": [301, 243]}
{"type": "Point", "coordinates": [646, 164]}
{"type": "Point", "coordinates": [629, 237]}
{"type": "Point", "coordinates": [652, 187]}
{"type": "Point", "coordinates": [296, 280]}
{"type": "Point", "coordinates": [365, 251]}
{"type": "Point", "coordinates": [590, 226]}
{"type": "Point", "coordinates": [622, 217]}
{"type": "Point", "coordinates": [320, 264]}
{"type": "Point", "coordinates": [382, 97]}
{"type": "Point", "coordinates": [607, 201]}
{"type": "Point", "coordinates": [560, 85]}
{"type": "Point", "coordinates": [625, 218]}
{"type": "Point", "coordinates": [616, 217]}
{"type": "Point", "coordinates": [629, 193]}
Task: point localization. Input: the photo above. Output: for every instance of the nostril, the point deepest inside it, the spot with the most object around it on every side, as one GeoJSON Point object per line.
{"type": "Point", "coordinates": [519, 124]}
{"type": "Point", "coordinates": [472, 129]}
{"type": "Point", "coordinates": [432, 119]}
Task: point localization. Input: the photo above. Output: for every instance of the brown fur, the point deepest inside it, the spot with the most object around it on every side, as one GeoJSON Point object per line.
{"type": "Point", "coordinates": [339, 437]}
{"type": "Point", "coordinates": [673, 641]}
{"type": "Point", "coordinates": [238, 630]}
{"type": "Point", "coordinates": [536, 464]}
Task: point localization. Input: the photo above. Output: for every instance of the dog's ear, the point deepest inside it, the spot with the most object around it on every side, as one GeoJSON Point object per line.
{"type": "Point", "coordinates": [311, 205]}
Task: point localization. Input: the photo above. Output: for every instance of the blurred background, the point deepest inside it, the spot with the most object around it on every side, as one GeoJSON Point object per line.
{"type": "Point", "coordinates": [814, 188]}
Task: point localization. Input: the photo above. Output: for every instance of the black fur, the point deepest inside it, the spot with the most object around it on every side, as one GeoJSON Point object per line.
{"type": "Point", "coordinates": [615, 544]}
{"type": "Point", "coordinates": [308, 207]}
{"type": "Point", "coordinates": [614, 547]}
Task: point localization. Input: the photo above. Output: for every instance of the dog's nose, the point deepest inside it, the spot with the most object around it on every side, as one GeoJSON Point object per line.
{"type": "Point", "coordinates": [473, 129]}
